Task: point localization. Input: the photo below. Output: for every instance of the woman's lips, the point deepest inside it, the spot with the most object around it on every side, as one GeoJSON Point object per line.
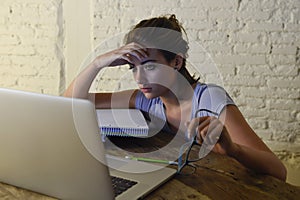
{"type": "Point", "coordinates": [146, 89]}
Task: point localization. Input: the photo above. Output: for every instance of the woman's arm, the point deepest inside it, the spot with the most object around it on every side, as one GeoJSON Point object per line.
{"type": "Point", "coordinates": [247, 147]}
{"type": "Point", "coordinates": [80, 86]}
{"type": "Point", "coordinates": [231, 135]}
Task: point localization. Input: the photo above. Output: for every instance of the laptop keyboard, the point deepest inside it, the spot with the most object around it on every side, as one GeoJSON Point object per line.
{"type": "Point", "coordinates": [120, 185]}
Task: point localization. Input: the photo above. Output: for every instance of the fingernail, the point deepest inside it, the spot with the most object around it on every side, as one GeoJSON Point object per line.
{"type": "Point", "coordinates": [188, 135]}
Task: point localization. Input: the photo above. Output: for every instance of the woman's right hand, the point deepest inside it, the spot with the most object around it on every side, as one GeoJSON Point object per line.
{"type": "Point", "coordinates": [126, 54]}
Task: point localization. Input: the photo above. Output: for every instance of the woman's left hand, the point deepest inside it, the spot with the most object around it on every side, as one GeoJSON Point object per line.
{"type": "Point", "coordinates": [212, 134]}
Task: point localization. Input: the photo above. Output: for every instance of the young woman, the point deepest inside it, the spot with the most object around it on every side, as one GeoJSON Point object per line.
{"type": "Point", "coordinates": [156, 53]}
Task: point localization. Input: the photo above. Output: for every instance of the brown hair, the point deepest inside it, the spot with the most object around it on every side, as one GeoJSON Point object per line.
{"type": "Point", "coordinates": [165, 34]}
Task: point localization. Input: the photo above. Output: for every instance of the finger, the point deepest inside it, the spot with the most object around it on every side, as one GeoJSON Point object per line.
{"type": "Point", "coordinates": [196, 121]}
{"type": "Point", "coordinates": [137, 54]}
{"type": "Point", "coordinates": [187, 135]}
{"type": "Point", "coordinates": [202, 129]}
{"type": "Point", "coordinates": [127, 57]}
{"type": "Point", "coordinates": [199, 136]}
{"type": "Point", "coordinates": [213, 132]}
{"type": "Point", "coordinates": [142, 51]}
{"type": "Point", "coordinates": [204, 123]}
{"type": "Point", "coordinates": [202, 132]}
{"type": "Point", "coordinates": [192, 127]}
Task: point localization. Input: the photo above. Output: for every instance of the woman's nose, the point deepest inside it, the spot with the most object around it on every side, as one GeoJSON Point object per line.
{"type": "Point", "coordinates": [140, 76]}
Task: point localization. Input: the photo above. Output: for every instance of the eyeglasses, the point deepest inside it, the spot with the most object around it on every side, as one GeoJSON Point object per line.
{"type": "Point", "coordinates": [194, 152]}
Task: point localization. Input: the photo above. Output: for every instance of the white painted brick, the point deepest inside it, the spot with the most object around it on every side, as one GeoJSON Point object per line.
{"type": "Point", "coordinates": [214, 4]}
{"type": "Point", "coordinates": [290, 93]}
{"type": "Point", "coordinates": [264, 134]}
{"type": "Point", "coordinates": [270, 93]}
{"type": "Point", "coordinates": [292, 27]}
{"type": "Point", "coordinates": [47, 32]}
{"type": "Point", "coordinates": [17, 50]}
{"type": "Point", "coordinates": [283, 104]}
{"type": "Point", "coordinates": [252, 113]}
{"type": "Point", "coordinates": [284, 49]}
{"type": "Point", "coordinates": [216, 47]}
{"type": "Point", "coordinates": [282, 37]}
{"type": "Point", "coordinates": [45, 50]}
{"type": "Point", "coordinates": [221, 15]}
{"type": "Point", "coordinates": [198, 24]}
{"type": "Point", "coordinates": [35, 60]}
{"type": "Point", "coordinates": [185, 13]}
{"type": "Point", "coordinates": [154, 3]}
{"type": "Point", "coordinates": [227, 69]}
{"type": "Point", "coordinates": [8, 80]}
{"type": "Point", "coordinates": [244, 80]}
{"type": "Point", "coordinates": [212, 36]}
{"type": "Point", "coordinates": [20, 31]}
{"type": "Point", "coordinates": [229, 25]}
{"type": "Point", "coordinates": [281, 59]}
{"type": "Point", "coordinates": [251, 48]}
{"type": "Point", "coordinates": [280, 115]}
{"type": "Point", "coordinates": [251, 15]}
{"type": "Point", "coordinates": [264, 26]}
{"type": "Point", "coordinates": [247, 5]}
{"type": "Point", "coordinates": [283, 83]}
{"type": "Point", "coordinates": [9, 40]}
{"type": "Point", "coordinates": [4, 11]}
{"type": "Point", "coordinates": [254, 70]}
{"type": "Point", "coordinates": [250, 102]}
{"type": "Point", "coordinates": [285, 70]}
{"type": "Point", "coordinates": [267, 4]}
{"type": "Point", "coordinates": [18, 70]}
{"type": "Point", "coordinates": [255, 124]}
{"type": "Point", "coordinates": [50, 70]}
{"type": "Point", "coordinates": [246, 37]}
{"type": "Point", "coordinates": [37, 81]}
{"type": "Point", "coordinates": [5, 60]}
{"type": "Point", "coordinates": [285, 131]}
{"type": "Point", "coordinates": [241, 59]}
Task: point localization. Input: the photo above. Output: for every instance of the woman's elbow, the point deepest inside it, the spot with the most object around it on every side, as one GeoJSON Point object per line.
{"type": "Point", "coordinates": [282, 173]}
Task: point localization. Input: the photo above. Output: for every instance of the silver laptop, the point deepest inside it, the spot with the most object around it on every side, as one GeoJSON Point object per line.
{"type": "Point", "coordinates": [52, 145]}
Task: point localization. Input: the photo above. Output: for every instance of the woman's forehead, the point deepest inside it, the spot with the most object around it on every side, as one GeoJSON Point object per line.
{"type": "Point", "coordinates": [154, 54]}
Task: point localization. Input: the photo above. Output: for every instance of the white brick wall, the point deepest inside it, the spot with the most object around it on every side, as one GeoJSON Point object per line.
{"type": "Point", "coordinates": [31, 40]}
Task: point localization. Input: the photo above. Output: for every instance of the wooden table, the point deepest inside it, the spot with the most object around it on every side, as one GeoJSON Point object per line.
{"type": "Point", "coordinates": [216, 177]}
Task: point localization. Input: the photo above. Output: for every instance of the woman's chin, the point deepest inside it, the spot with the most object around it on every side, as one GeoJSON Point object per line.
{"type": "Point", "coordinates": [149, 95]}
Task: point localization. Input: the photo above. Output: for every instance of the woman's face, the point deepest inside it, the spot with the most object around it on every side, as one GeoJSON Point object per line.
{"type": "Point", "coordinates": [153, 74]}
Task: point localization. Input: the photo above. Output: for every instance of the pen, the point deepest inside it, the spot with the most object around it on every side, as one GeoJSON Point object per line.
{"type": "Point", "coordinates": [152, 160]}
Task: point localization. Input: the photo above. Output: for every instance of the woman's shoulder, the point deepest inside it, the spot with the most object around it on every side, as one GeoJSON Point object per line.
{"type": "Point", "coordinates": [212, 94]}
{"type": "Point", "coordinates": [208, 87]}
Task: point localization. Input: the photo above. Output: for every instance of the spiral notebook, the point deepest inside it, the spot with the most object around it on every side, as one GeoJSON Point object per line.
{"type": "Point", "coordinates": [122, 122]}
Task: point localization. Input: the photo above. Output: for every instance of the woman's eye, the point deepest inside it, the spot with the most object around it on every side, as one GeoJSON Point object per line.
{"type": "Point", "coordinates": [149, 67]}
{"type": "Point", "coordinates": [132, 67]}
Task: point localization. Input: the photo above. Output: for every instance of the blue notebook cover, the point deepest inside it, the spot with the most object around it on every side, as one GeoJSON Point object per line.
{"type": "Point", "coordinates": [122, 122]}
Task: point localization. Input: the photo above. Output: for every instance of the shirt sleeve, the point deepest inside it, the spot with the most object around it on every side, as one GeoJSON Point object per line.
{"type": "Point", "coordinates": [214, 98]}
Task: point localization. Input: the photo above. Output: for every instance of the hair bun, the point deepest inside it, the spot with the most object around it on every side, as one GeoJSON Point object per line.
{"type": "Point", "coordinates": [173, 17]}
{"type": "Point", "coordinates": [175, 22]}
